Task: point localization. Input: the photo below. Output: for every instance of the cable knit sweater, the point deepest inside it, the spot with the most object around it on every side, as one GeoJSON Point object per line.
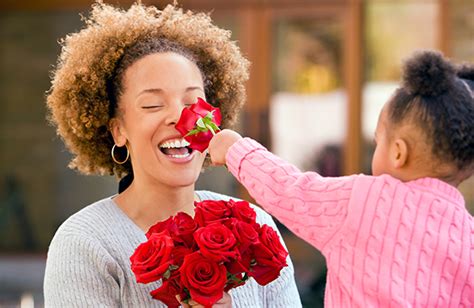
{"type": "Point", "coordinates": [386, 243]}
{"type": "Point", "coordinates": [88, 264]}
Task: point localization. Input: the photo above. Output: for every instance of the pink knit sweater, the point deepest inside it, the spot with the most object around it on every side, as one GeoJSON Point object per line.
{"type": "Point", "coordinates": [386, 243]}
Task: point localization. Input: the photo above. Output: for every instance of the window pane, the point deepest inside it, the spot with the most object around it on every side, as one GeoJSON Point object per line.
{"type": "Point", "coordinates": [307, 87]}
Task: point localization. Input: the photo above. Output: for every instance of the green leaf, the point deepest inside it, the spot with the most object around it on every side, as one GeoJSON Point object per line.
{"type": "Point", "coordinates": [193, 132]}
{"type": "Point", "coordinates": [210, 115]}
{"type": "Point", "coordinates": [211, 129]}
{"type": "Point", "coordinates": [167, 274]}
{"type": "Point", "coordinates": [214, 126]}
{"type": "Point", "coordinates": [200, 123]}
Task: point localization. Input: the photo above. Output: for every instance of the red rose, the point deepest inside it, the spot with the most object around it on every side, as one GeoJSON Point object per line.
{"type": "Point", "coordinates": [244, 233]}
{"type": "Point", "coordinates": [270, 256]}
{"type": "Point", "coordinates": [242, 210]}
{"type": "Point", "coordinates": [184, 227]}
{"type": "Point", "coordinates": [167, 294]}
{"type": "Point", "coordinates": [210, 211]}
{"type": "Point", "coordinates": [217, 242]}
{"type": "Point", "coordinates": [160, 226]}
{"type": "Point", "coordinates": [270, 239]}
{"type": "Point", "coordinates": [246, 237]}
{"type": "Point", "coordinates": [197, 124]}
{"type": "Point", "coordinates": [178, 254]}
{"type": "Point", "coordinates": [204, 278]}
{"type": "Point", "coordinates": [152, 258]}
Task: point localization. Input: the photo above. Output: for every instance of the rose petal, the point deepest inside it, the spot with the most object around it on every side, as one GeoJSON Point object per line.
{"type": "Point", "coordinates": [201, 107]}
{"type": "Point", "coordinates": [186, 122]}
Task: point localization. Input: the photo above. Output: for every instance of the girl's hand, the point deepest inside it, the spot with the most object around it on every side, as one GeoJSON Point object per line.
{"type": "Point", "coordinates": [220, 144]}
{"type": "Point", "coordinates": [224, 302]}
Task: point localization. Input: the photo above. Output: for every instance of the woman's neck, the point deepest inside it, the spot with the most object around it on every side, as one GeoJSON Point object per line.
{"type": "Point", "coordinates": [148, 204]}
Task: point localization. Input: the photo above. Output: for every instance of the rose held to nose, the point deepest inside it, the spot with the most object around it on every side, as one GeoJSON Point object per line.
{"type": "Point", "coordinates": [198, 124]}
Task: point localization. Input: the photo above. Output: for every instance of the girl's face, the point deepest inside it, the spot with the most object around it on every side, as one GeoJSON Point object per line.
{"type": "Point", "coordinates": [155, 90]}
{"type": "Point", "coordinates": [380, 160]}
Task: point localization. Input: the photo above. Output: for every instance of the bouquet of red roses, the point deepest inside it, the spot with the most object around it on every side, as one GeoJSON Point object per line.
{"type": "Point", "coordinates": [199, 258]}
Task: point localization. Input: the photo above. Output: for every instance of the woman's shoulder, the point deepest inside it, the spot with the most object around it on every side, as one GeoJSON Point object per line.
{"type": "Point", "coordinates": [262, 216]}
{"type": "Point", "coordinates": [88, 220]}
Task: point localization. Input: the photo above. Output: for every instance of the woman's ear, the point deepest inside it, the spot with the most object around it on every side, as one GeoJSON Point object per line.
{"type": "Point", "coordinates": [118, 133]}
{"type": "Point", "coordinates": [399, 155]}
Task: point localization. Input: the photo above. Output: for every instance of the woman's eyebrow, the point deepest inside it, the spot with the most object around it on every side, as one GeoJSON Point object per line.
{"type": "Point", "coordinates": [159, 90]}
{"type": "Point", "coordinates": [188, 89]}
{"type": "Point", "coordinates": [151, 90]}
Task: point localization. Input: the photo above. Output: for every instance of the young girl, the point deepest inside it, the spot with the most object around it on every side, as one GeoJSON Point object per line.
{"type": "Point", "coordinates": [402, 237]}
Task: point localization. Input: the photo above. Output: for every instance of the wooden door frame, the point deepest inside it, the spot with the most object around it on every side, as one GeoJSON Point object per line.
{"type": "Point", "coordinates": [256, 44]}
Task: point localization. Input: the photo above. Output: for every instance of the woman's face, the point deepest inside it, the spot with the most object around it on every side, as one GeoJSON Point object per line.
{"type": "Point", "coordinates": [155, 90]}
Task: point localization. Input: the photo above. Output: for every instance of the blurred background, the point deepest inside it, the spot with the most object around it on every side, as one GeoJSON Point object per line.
{"type": "Point", "coordinates": [321, 71]}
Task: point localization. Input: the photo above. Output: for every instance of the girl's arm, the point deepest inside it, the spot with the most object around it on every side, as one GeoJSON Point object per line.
{"type": "Point", "coordinates": [311, 206]}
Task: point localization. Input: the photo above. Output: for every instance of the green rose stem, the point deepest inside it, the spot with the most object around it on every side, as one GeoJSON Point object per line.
{"type": "Point", "coordinates": [212, 131]}
{"type": "Point", "coordinates": [205, 124]}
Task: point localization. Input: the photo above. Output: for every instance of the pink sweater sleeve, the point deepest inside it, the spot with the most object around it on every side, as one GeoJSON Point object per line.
{"type": "Point", "coordinates": [311, 206]}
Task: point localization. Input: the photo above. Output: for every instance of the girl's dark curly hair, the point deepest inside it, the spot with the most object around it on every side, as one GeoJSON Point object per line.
{"type": "Point", "coordinates": [436, 98]}
{"type": "Point", "coordinates": [466, 73]}
{"type": "Point", "coordinates": [87, 81]}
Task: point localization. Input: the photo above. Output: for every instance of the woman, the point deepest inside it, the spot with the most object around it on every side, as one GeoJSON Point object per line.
{"type": "Point", "coordinates": [116, 96]}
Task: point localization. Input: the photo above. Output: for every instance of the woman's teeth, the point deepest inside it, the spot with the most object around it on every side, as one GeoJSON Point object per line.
{"type": "Point", "coordinates": [177, 143]}
{"type": "Point", "coordinates": [176, 148]}
{"type": "Point", "coordinates": [179, 155]}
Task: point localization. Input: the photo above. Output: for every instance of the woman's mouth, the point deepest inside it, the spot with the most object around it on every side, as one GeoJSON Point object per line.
{"type": "Point", "coordinates": [176, 148]}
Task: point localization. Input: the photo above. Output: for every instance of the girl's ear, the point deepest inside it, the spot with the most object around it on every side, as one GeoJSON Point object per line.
{"type": "Point", "coordinates": [118, 132]}
{"type": "Point", "coordinates": [399, 153]}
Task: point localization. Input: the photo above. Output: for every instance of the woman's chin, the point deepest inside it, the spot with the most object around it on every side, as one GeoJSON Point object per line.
{"type": "Point", "coordinates": [181, 182]}
{"type": "Point", "coordinates": [179, 178]}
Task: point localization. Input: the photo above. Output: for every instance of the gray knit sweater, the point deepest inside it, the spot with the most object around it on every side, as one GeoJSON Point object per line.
{"type": "Point", "coordinates": [88, 264]}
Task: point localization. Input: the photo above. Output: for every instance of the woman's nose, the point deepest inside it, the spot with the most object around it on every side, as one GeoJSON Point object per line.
{"type": "Point", "coordinates": [174, 114]}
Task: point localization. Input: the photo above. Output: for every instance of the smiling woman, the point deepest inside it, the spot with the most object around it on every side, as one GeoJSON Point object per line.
{"type": "Point", "coordinates": [149, 108]}
{"type": "Point", "coordinates": [117, 94]}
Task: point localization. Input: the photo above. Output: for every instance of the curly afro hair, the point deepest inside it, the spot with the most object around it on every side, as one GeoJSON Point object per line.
{"type": "Point", "coordinates": [80, 102]}
{"type": "Point", "coordinates": [434, 96]}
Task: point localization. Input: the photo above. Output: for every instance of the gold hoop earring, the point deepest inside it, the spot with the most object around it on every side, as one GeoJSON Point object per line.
{"type": "Point", "coordinates": [112, 152]}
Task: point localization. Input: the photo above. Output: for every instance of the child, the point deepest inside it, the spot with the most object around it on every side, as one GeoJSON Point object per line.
{"type": "Point", "coordinates": [402, 237]}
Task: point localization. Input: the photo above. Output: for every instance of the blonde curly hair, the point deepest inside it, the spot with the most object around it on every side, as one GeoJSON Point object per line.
{"type": "Point", "coordinates": [79, 100]}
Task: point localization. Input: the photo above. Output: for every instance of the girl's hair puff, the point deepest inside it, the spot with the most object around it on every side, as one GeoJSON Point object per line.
{"type": "Point", "coordinates": [434, 98]}
{"type": "Point", "coordinates": [466, 73]}
{"type": "Point", "coordinates": [79, 99]}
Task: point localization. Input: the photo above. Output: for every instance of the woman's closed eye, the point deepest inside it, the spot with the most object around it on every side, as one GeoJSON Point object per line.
{"type": "Point", "coordinates": [153, 106]}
